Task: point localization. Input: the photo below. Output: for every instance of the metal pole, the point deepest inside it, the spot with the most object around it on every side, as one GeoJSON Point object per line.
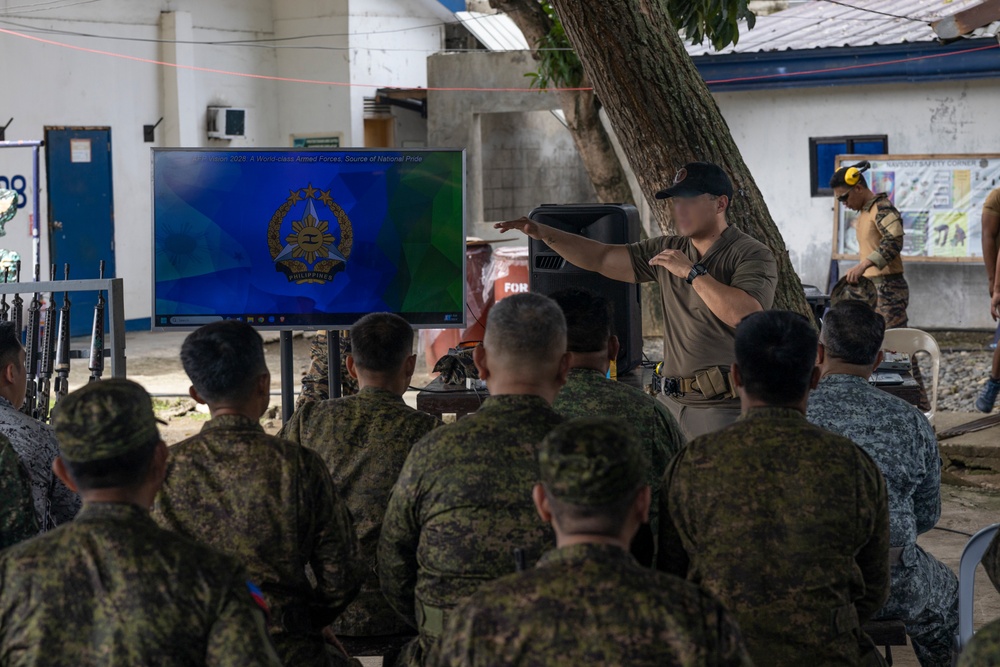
{"type": "Point", "coordinates": [36, 241]}
{"type": "Point", "coordinates": [287, 375]}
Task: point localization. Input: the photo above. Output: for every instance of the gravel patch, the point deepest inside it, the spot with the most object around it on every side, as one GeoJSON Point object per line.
{"type": "Point", "coordinates": [963, 374]}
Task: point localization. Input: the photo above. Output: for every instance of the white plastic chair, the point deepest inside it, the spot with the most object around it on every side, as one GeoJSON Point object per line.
{"type": "Point", "coordinates": [971, 555]}
{"type": "Point", "coordinates": [910, 342]}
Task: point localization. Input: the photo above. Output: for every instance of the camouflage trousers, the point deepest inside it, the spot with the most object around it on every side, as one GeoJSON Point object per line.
{"type": "Point", "coordinates": [924, 596]}
{"type": "Point", "coordinates": [893, 299]}
{"type": "Point", "coordinates": [315, 380]}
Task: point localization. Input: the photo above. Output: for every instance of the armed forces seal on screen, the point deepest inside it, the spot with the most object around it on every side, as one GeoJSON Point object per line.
{"type": "Point", "coordinates": [309, 254]}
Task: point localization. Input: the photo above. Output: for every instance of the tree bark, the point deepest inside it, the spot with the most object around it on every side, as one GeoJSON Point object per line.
{"type": "Point", "coordinates": [580, 107]}
{"type": "Point", "coordinates": [665, 116]}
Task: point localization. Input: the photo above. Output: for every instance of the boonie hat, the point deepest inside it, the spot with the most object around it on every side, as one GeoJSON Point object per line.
{"type": "Point", "coordinates": [591, 461]}
{"type": "Point", "coordinates": [864, 291]}
{"type": "Point", "coordinates": [105, 419]}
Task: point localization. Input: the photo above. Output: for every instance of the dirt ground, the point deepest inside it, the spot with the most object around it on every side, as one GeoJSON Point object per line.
{"type": "Point", "coordinates": [967, 505]}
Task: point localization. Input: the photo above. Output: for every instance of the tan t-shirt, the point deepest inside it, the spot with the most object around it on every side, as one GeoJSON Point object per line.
{"type": "Point", "coordinates": [694, 338]}
{"type": "Point", "coordinates": [992, 202]}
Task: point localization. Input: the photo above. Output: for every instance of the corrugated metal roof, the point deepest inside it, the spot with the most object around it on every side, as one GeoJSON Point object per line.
{"type": "Point", "coordinates": [821, 24]}
{"type": "Point", "coordinates": [813, 25]}
{"type": "Point", "coordinates": [497, 32]}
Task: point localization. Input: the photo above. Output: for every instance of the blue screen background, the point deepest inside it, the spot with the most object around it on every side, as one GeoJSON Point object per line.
{"type": "Point", "coordinates": [213, 212]}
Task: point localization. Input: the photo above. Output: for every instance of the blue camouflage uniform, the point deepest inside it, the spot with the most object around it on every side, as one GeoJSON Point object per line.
{"type": "Point", "coordinates": [902, 443]}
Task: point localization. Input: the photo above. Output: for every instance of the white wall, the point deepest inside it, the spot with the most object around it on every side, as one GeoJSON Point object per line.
{"type": "Point", "coordinates": [55, 86]}
{"type": "Point", "coordinates": [772, 130]}
{"type": "Point", "coordinates": [305, 108]}
{"type": "Point", "coordinates": [62, 87]}
{"type": "Point", "coordinates": [397, 58]}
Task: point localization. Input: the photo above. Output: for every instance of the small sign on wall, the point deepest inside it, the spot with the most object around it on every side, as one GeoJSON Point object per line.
{"type": "Point", "coordinates": [79, 150]}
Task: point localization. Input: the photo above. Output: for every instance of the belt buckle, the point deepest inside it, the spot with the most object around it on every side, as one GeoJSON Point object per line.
{"type": "Point", "coordinates": [672, 387]}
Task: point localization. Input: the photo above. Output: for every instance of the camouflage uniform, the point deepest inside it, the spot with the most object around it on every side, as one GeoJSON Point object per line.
{"type": "Point", "coordinates": [984, 649]}
{"type": "Point", "coordinates": [111, 588]}
{"type": "Point", "coordinates": [789, 526]}
{"type": "Point", "coordinates": [880, 237]}
{"type": "Point", "coordinates": [17, 511]}
{"type": "Point", "coordinates": [271, 504]}
{"type": "Point", "coordinates": [587, 393]}
{"type": "Point", "coordinates": [36, 446]}
{"type": "Point", "coordinates": [893, 300]}
{"type": "Point", "coordinates": [591, 603]}
{"type": "Point", "coordinates": [460, 508]}
{"type": "Point", "coordinates": [363, 440]}
{"type": "Point", "coordinates": [902, 443]}
{"type": "Point", "coordinates": [316, 379]}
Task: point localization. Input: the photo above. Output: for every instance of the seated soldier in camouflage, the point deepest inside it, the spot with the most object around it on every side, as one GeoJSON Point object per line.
{"type": "Point", "coordinates": [902, 443]}
{"type": "Point", "coordinates": [364, 440]}
{"type": "Point", "coordinates": [588, 392]}
{"type": "Point", "coordinates": [17, 509]}
{"type": "Point", "coordinates": [110, 587]}
{"type": "Point", "coordinates": [786, 523]}
{"type": "Point", "coordinates": [462, 504]}
{"type": "Point", "coordinates": [33, 440]}
{"type": "Point", "coordinates": [270, 503]}
{"type": "Point", "coordinates": [588, 602]}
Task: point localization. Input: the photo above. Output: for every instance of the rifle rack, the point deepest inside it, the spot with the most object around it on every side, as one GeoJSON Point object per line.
{"type": "Point", "coordinates": [116, 311]}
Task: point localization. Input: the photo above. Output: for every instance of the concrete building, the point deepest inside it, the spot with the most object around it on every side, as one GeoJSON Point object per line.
{"type": "Point", "coordinates": [864, 74]}
{"type": "Point", "coordinates": [118, 65]}
{"type": "Point", "coordinates": [818, 70]}
{"type": "Point", "coordinates": [309, 72]}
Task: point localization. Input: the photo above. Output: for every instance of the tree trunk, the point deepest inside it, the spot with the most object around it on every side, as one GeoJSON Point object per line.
{"type": "Point", "coordinates": [664, 114]}
{"type": "Point", "coordinates": [591, 139]}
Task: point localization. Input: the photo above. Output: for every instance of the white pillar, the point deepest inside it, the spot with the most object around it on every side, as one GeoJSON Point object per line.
{"type": "Point", "coordinates": [183, 124]}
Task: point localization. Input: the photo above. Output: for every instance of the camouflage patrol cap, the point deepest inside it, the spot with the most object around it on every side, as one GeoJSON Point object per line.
{"type": "Point", "coordinates": [105, 419]}
{"type": "Point", "coordinates": [864, 291]}
{"type": "Point", "coordinates": [591, 461]}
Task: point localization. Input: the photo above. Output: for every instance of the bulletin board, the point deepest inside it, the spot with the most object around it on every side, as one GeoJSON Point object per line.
{"type": "Point", "coordinates": [940, 198]}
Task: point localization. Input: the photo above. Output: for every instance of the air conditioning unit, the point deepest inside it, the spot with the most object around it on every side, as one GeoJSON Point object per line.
{"type": "Point", "coordinates": [226, 122]}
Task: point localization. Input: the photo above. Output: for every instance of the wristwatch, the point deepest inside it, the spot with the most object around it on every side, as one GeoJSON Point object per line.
{"type": "Point", "coordinates": [696, 270]}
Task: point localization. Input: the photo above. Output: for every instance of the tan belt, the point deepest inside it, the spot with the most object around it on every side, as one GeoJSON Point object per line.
{"type": "Point", "coordinates": [430, 620]}
{"type": "Point", "coordinates": [714, 382]}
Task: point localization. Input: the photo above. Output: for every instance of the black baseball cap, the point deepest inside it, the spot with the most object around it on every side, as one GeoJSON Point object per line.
{"type": "Point", "coordinates": [698, 178]}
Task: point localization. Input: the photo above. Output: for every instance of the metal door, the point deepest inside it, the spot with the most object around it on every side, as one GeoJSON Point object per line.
{"type": "Point", "coordinates": [81, 210]}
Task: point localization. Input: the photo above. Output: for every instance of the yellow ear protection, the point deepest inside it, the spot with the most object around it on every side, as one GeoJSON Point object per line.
{"type": "Point", "coordinates": [853, 174]}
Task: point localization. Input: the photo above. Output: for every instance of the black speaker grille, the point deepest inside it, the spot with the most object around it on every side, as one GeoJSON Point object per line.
{"type": "Point", "coordinates": [549, 262]}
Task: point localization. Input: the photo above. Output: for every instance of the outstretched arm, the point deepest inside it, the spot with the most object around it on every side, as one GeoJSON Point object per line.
{"type": "Point", "coordinates": [611, 261]}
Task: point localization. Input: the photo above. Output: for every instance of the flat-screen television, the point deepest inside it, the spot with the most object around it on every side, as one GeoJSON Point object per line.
{"type": "Point", "coordinates": [307, 239]}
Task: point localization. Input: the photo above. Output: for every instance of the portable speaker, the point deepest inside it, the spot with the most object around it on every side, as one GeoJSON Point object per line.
{"type": "Point", "coordinates": [607, 223]}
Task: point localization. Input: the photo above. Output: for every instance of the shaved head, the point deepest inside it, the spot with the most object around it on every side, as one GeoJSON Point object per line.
{"type": "Point", "coordinates": [526, 334]}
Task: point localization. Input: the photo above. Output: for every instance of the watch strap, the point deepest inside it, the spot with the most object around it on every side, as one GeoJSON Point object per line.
{"type": "Point", "coordinates": [696, 270]}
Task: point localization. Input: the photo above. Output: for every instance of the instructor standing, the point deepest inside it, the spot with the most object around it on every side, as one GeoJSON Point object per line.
{"type": "Point", "coordinates": [711, 276]}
